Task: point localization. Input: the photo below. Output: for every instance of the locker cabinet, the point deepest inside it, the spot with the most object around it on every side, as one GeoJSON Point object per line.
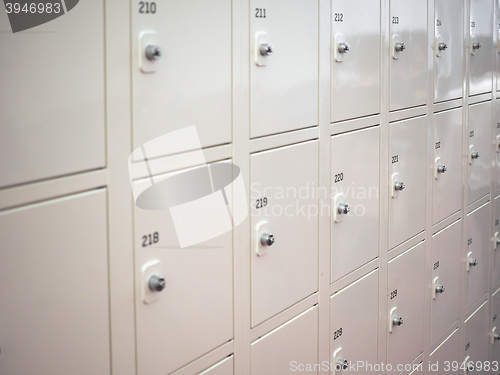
{"type": "Point", "coordinates": [54, 287]}
{"type": "Point", "coordinates": [477, 255]}
{"type": "Point", "coordinates": [445, 304]}
{"type": "Point", "coordinates": [447, 176]}
{"type": "Point", "coordinates": [193, 314]}
{"type": "Point", "coordinates": [477, 339]}
{"type": "Point", "coordinates": [480, 46]}
{"type": "Point", "coordinates": [52, 119]}
{"type": "Point", "coordinates": [407, 144]}
{"type": "Point", "coordinates": [284, 206]}
{"type": "Point", "coordinates": [355, 59]}
{"type": "Point", "coordinates": [190, 82]}
{"type": "Point", "coordinates": [479, 150]}
{"type": "Point", "coordinates": [442, 358]}
{"type": "Point", "coordinates": [355, 181]}
{"type": "Point", "coordinates": [448, 49]}
{"type": "Point", "coordinates": [283, 74]}
{"type": "Point", "coordinates": [354, 314]}
{"type": "Point", "coordinates": [408, 53]}
{"type": "Point", "coordinates": [405, 294]}
{"type": "Point", "coordinates": [289, 348]}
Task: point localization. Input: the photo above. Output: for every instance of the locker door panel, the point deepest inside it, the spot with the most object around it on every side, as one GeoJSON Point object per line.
{"type": "Point", "coordinates": [477, 256]}
{"type": "Point", "coordinates": [477, 338]}
{"type": "Point", "coordinates": [447, 181]}
{"type": "Point", "coordinates": [355, 182]}
{"type": "Point", "coordinates": [496, 244]}
{"type": "Point", "coordinates": [289, 347]}
{"type": "Point", "coordinates": [480, 46]}
{"type": "Point", "coordinates": [445, 304]}
{"type": "Point", "coordinates": [479, 150]}
{"type": "Point", "coordinates": [406, 306]}
{"type": "Point", "coordinates": [190, 84]}
{"type": "Point", "coordinates": [53, 115]}
{"type": "Point", "coordinates": [495, 326]}
{"type": "Point", "coordinates": [496, 142]}
{"type": "Point", "coordinates": [353, 314]}
{"type": "Point", "coordinates": [407, 167]}
{"type": "Point", "coordinates": [448, 352]}
{"type": "Point", "coordinates": [283, 205]}
{"type": "Point", "coordinates": [193, 314]}
{"type": "Point", "coordinates": [408, 53]}
{"type": "Point", "coordinates": [54, 287]}
{"type": "Point", "coordinates": [448, 62]}
{"type": "Point", "coordinates": [284, 79]}
{"type": "Point", "coordinates": [356, 72]}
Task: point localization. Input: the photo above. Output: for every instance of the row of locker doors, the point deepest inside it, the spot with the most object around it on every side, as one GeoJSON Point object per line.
{"type": "Point", "coordinates": [201, 297]}
{"type": "Point", "coordinates": [283, 85]}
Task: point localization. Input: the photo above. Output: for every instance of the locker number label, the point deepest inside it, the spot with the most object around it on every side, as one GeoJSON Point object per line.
{"type": "Point", "coordinates": [395, 20]}
{"type": "Point", "coordinates": [338, 177]}
{"type": "Point", "coordinates": [438, 145]}
{"type": "Point", "coordinates": [261, 203]}
{"type": "Point", "coordinates": [469, 242]}
{"type": "Point", "coordinates": [496, 222]}
{"type": "Point", "coordinates": [471, 134]}
{"type": "Point", "coordinates": [436, 265]}
{"type": "Point", "coordinates": [146, 7]}
{"type": "Point", "coordinates": [394, 293]}
{"type": "Point", "coordinates": [395, 159]}
{"type": "Point", "coordinates": [339, 17]}
{"type": "Point", "coordinates": [337, 334]}
{"type": "Point", "coordinates": [438, 23]}
{"type": "Point", "coordinates": [472, 23]}
{"type": "Point", "coordinates": [260, 12]}
{"type": "Point", "coordinates": [150, 239]}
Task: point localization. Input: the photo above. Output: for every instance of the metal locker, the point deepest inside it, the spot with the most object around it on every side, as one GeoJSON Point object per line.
{"type": "Point", "coordinates": [448, 49]}
{"type": "Point", "coordinates": [407, 144]}
{"type": "Point", "coordinates": [354, 314]}
{"type": "Point", "coordinates": [477, 340]}
{"type": "Point", "coordinates": [224, 367]}
{"type": "Point", "coordinates": [405, 294]}
{"type": "Point", "coordinates": [355, 59]}
{"type": "Point", "coordinates": [53, 115]}
{"type": "Point", "coordinates": [408, 52]}
{"type": "Point", "coordinates": [447, 181]}
{"type": "Point", "coordinates": [284, 65]}
{"type": "Point", "coordinates": [477, 256]}
{"type": "Point", "coordinates": [445, 305]}
{"type": "Point", "coordinates": [289, 348]}
{"type": "Point", "coordinates": [495, 326]}
{"type": "Point", "coordinates": [54, 287]}
{"type": "Point", "coordinates": [496, 46]}
{"type": "Point", "coordinates": [480, 46]}
{"type": "Point", "coordinates": [284, 228]}
{"type": "Point", "coordinates": [188, 81]}
{"type": "Point", "coordinates": [191, 312]}
{"type": "Point", "coordinates": [445, 355]}
{"type": "Point", "coordinates": [496, 244]}
{"type": "Point", "coordinates": [479, 150]}
{"type": "Point", "coordinates": [496, 142]}
{"type": "Point", "coordinates": [355, 200]}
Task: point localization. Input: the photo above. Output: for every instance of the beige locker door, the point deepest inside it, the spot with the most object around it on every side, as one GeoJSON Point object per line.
{"type": "Point", "coordinates": [54, 315]}
{"type": "Point", "coordinates": [52, 103]}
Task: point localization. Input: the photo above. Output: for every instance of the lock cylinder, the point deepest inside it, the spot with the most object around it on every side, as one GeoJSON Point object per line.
{"type": "Point", "coordinates": [153, 52]}
{"type": "Point", "coordinates": [442, 46]}
{"type": "Point", "coordinates": [399, 47]}
{"type": "Point", "coordinates": [267, 239]}
{"type": "Point", "coordinates": [476, 45]}
{"type": "Point", "coordinates": [442, 169]}
{"type": "Point", "coordinates": [397, 321]}
{"type": "Point", "coordinates": [399, 186]}
{"type": "Point", "coordinates": [343, 209]}
{"type": "Point", "coordinates": [156, 283]}
{"type": "Point", "coordinates": [342, 364]}
{"type": "Point", "coordinates": [343, 48]}
{"type": "Point", "coordinates": [473, 262]}
{"type": "Point", "coordinates": [440, 288]}
{"type": "Point", "coordinates": [266, 49]}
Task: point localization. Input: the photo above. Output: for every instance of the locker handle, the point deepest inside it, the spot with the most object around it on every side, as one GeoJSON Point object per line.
{"type": "Point", "coordinates": [494, 336]}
